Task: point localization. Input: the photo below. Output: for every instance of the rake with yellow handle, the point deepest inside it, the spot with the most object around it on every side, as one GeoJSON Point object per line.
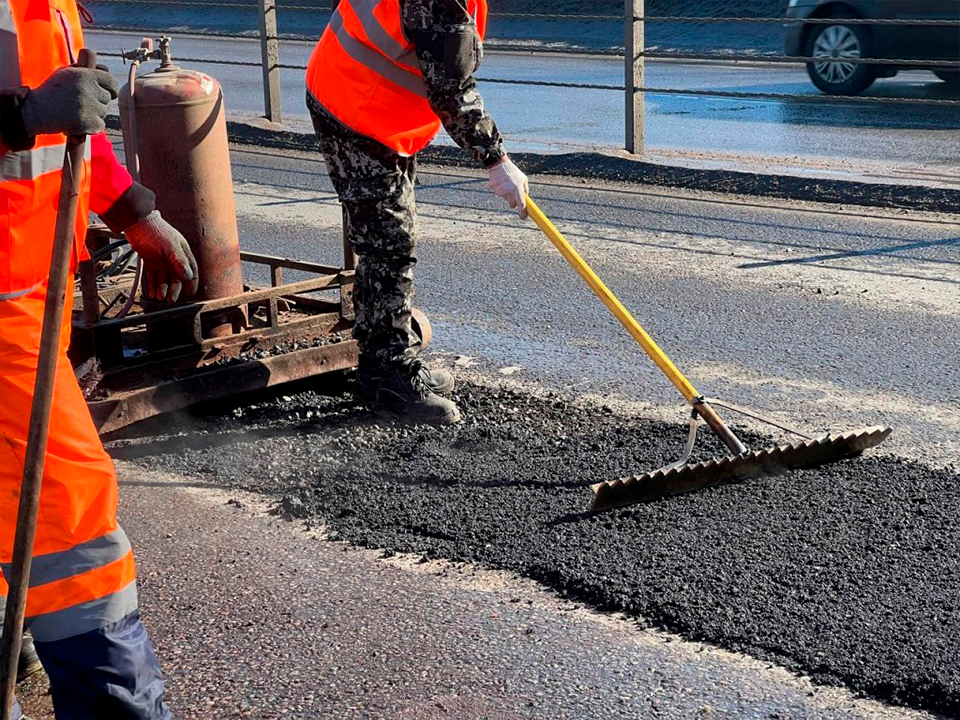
{"type": "Point", "coordinates": [742, 463]}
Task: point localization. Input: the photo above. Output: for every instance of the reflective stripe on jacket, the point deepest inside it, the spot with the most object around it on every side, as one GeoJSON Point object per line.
{"type": "Point", "coordinates": [365, 72]}
{"type": "Point", "coordinates": [37, 37]}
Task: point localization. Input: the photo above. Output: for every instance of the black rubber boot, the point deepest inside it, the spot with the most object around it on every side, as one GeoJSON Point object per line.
{"type": "Point", "coordinates": [401, 391]}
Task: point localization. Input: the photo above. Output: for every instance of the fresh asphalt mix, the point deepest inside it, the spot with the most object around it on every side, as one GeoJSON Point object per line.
{"type": "Point", "coordinates": [848, 573]}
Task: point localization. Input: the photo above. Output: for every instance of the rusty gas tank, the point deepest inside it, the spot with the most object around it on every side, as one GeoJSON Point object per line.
{"type": "Point", "coordinates": [181, 139]}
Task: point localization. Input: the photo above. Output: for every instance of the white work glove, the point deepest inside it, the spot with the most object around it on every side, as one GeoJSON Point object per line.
{"type": "Point", "coordinates": [73, 101]}
{"type": "Point", "coordinates": [508, 182]}
{"type": "Point", "coordinates": [168, 263]}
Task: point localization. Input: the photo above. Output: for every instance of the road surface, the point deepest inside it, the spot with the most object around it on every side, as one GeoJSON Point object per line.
{"type": "Point", "coordinates": [786, 306]}
{"type": "Point", "coordinates": [254, 617]}
{"type": "Point", "coordinates": [824, 317]}
{"type": "Point", "coordinates": [909, 143]}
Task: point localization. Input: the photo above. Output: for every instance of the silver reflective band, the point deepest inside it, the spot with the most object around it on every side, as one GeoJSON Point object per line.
{"type": "Point", "coordinates": [373, 60]}
{"type": "Point", "coordinates": [9, 58]}
{"type": "Point", "coordinates": [86, 556]}
{"type": "Point", "coordinates": [363, 9]}
{"type": "Point", "coordinates": [85, 617]}
{"type": "Point", "coordinates": [31, 164]}
{"type": "Point", "coordinates": [19, 293]}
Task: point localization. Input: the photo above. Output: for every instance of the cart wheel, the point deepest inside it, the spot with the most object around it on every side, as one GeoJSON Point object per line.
{"type": "Point", "coordinates": [422, 327]}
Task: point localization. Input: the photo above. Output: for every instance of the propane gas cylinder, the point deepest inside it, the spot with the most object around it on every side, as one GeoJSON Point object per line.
{"type": "Point", "coordinates": [181, 139]}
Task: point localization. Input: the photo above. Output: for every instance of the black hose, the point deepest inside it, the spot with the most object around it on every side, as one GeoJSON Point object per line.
{"type": "Point", "coordinates": [107, 249]}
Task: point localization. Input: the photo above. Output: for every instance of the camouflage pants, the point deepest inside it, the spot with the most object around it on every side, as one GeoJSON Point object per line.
{"type": "Point", "coordinates": [375, 187]}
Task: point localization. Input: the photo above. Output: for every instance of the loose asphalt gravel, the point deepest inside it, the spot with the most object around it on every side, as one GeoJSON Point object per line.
{"type": "Point", "coordinates": [848, 573]}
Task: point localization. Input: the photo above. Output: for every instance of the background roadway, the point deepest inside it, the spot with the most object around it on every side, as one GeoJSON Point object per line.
{"type": "Point", "coordinates": [913, 143]}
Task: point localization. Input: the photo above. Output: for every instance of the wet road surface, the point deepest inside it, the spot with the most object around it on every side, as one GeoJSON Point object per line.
{"type": "Point", "coordinates": [920, 143]}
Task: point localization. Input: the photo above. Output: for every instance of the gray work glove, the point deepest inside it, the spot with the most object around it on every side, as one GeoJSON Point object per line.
{"type": "Point", "coordinates": [168, 263]}
{"type": "Point", "coordinates": [73, 101]}
{"type": "Point", "coordinates": [509, 183]}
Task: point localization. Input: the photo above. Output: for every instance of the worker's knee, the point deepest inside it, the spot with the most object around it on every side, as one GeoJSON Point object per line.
{"type": "Point", "coordinates": [384, 226]}
{"type": "Point", "coordinates": [379, 275]}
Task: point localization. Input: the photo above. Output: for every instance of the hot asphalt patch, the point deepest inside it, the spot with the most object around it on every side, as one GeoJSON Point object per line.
{"type": "Point", "coordinates": [849, 573]}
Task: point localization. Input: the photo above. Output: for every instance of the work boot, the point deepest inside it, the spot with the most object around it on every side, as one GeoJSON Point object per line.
{"type": "Point", "coordinates": [401, 391]}
{"type": "Point", "coordinates": [29, 663]}
{"type": "Point", "coordinates": [439, 381]}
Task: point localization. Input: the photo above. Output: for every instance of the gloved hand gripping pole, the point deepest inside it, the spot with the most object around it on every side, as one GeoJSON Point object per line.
{"type": "Point", "coordinates": [19, 579]}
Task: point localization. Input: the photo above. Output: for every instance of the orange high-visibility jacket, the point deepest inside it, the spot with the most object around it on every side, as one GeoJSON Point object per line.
{"type": "Point", "coordinates": [364, 72]}
{"type": "Point", "coordinates": [83, 574]}
{"type": "Point", "coordinates": [38, 37]}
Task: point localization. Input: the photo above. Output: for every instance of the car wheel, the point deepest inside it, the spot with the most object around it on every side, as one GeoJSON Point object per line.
{"type": "Point", "coordinates": [829, 45]}
{"type": "Point", "coordinates": [948, 76]}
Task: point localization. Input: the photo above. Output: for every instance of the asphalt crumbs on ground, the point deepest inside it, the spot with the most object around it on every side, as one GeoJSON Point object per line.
{"type": "Point", "coordinates": [848, 573]}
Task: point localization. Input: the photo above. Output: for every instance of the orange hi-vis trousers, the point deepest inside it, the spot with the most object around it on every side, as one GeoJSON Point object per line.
{"type": "Point", "coordinates": [83, 574]}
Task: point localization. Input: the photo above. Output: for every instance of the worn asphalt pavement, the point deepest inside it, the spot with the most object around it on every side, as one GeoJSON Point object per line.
{"type": "Point", "coordinates": [826, 316]}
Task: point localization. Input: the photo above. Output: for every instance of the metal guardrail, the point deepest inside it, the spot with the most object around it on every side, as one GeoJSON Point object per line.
{"type": "Point", "coordinates": [635, 55]}
{"type": "Point", "coordinates": [634, 88]}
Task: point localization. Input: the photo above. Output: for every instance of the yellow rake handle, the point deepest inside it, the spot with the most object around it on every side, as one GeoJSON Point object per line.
{"type": "Point", "coordinates": [610, 300]}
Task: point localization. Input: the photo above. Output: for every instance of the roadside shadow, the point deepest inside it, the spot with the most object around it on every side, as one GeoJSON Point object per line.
{"type": "Point", "coordinates": [827, 257]}
{"type": "Point", "coordinates": [693, 249]}
{"type": "Point", "coordinates": [687, 231]}
{"type": "Point", "coordinates": [812, 109]}
{"type": "Point", "coordinates": [873, 116]}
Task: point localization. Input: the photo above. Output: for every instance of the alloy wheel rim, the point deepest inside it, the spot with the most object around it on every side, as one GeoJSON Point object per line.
{"type": "Point", "coordinates": [833, 45]}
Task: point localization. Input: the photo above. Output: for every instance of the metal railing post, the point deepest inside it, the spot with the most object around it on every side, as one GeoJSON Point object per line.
{"type": "Point", "coordinates": [633, 47]}
{"type": "Point", "coordinates": [270, 59]}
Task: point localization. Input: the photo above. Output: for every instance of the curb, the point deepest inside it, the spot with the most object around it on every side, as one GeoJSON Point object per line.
{"type": "Point", "coordinates": [613, 168]}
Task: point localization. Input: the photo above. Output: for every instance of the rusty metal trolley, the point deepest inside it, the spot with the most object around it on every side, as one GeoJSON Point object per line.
{"type": "Point", "coordinates": [136, 358]}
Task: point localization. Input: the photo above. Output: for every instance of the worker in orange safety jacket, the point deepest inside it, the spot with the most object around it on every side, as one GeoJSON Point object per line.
{"type": "Point", "coordinates": [384, 78]}
{"type": "Point", "coordinates": [82, 602]}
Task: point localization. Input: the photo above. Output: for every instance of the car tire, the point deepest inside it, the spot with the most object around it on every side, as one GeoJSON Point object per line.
{"type": "Point", "coordinates": [838, 41]}
{"type": "Point", "coordinates": [952, 77]}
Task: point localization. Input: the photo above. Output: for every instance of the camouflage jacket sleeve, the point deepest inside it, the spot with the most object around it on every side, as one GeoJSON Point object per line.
{"type": "Point", "coordinates": [448, 48]}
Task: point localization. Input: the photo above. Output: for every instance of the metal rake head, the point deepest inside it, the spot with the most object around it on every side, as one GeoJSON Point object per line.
{"type": "Point", "coordinates": [676, 479]}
